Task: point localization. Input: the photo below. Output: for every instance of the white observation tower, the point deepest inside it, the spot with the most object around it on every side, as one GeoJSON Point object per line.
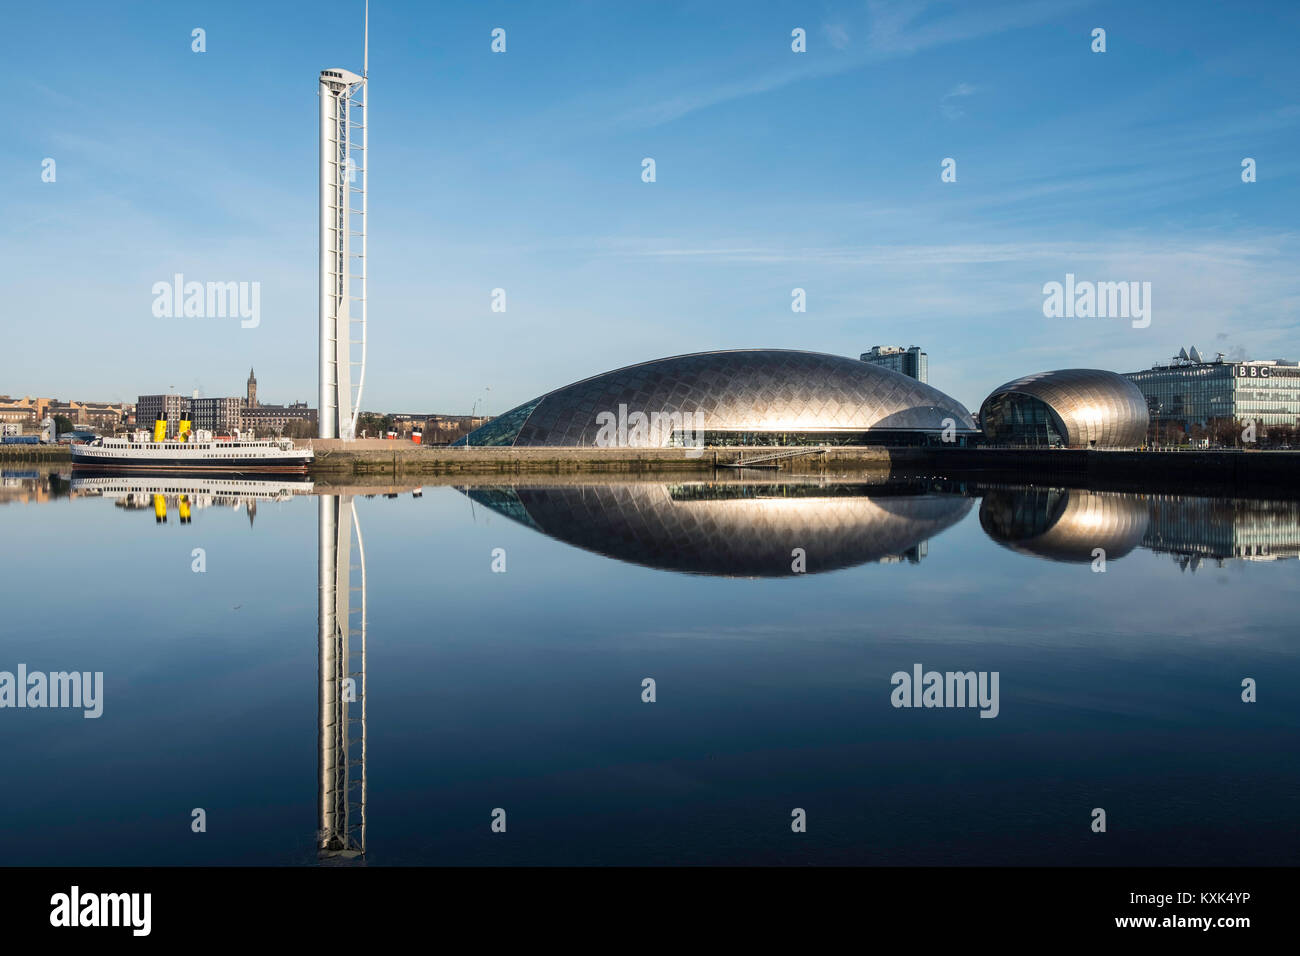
{"type": "Point", "coordinates": [344, 118]}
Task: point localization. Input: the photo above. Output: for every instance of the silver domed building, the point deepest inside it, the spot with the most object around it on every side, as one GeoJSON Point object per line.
{"type": "Point", "coordinates": [743, 397]}
{"type": "Point", "coordinates": [1073, 407]}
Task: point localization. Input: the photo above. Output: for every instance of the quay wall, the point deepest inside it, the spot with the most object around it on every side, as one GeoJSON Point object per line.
{"type": "Point", "coordinates": [1142, 470]}
{"type": "Point", "coordinates": [44, 453]}
{"type": "Point", "coordinates": [1218, 471]}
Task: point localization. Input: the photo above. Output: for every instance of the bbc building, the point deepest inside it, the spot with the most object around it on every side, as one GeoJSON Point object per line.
{"type": "Point", "coordinates": [1192, 392]}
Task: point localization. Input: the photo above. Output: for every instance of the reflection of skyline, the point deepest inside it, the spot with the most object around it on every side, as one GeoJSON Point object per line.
{"type": "Point", "coordinates": [735, 530]}
{"type": "Point", "coordinates": [1223, 530]}
{"type": "Point", "coordinates": [1066, 524]}
{"type": "Point", "coordinates": [743, 528]}
{"type": "Point", "coordinates": [29, 486]}
{"type": "Point", "coordinates": [341, 672]}
{"type": "Point", "coordinates": [1061, 524]}
{"type": "Point", "coordinates": [549, 631]}
{"type": "Point", "coordinates": [749, 529]}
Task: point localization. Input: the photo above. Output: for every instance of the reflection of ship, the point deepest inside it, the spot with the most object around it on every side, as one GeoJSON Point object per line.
{"type": "Point", "coordinates": [1064, 524]}
{"type": "Point", "coordinates": [186, 494]}
{"type": "Point", "coordinates": [740, 530]}
{"type": "Point", "coordinates": [341, 634]}
{"type": "Point", "coordinates": [1067, 524]}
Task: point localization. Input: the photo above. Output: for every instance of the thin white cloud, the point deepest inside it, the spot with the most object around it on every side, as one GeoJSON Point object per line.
{"type": "Point", "coordinates": [949, 104]}
{"type": "Point", "coordinates": [892, 30]}
{"type": "Point", "coordinates": [836, 35]}
{"type": "Point", "coordinates": [901, 27]}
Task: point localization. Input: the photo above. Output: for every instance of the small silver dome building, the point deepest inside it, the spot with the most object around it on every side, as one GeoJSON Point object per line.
{"type": "Point", "coordinates": [1073, 407]}
{"type": "Point", "coordinates": [742, 397]}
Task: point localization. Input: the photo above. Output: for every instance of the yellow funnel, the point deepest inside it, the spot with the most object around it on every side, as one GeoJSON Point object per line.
{"type": "Point", "coordinates": [183, 433]}
{"type": "Point", "coordinates": [159, 508]}
{"type": "Point", "coordinates": [160, 430]}
{"type": "Point", "coordinates": [185, 509]}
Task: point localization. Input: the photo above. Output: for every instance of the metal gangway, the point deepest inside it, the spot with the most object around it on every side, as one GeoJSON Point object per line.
{"type": "Point", "coordinates": [771, 461]}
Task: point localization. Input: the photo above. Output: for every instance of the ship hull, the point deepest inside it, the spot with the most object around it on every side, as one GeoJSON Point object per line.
{"type": "Point", "coordinates": [110, 464]}
{"type": "Point", "coordinates": [262, 467]}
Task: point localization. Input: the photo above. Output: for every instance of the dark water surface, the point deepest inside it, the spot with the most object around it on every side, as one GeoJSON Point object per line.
{"type": "Point", "coordinates": [522, 690]}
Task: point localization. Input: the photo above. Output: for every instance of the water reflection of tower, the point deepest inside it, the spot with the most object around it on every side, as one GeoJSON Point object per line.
{"type": "Point", "coordinates": [342, 683]}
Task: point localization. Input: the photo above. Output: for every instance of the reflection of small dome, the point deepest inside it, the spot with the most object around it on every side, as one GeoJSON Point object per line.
{"type": "Point", "coordinates": [733, 530]}
{"type": "Point", "coordinates": [1064, 524]}
{"type": "Point", "coordinates": [1076, 407]}
{"type": "Point", "coordinates": [754, 392]}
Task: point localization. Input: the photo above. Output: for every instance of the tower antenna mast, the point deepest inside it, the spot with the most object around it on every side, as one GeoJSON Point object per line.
{"type": "Point", "coordinates": [344, 171]}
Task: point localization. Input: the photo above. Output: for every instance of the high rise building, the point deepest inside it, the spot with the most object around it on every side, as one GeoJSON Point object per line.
{"type": "Point", "coordinates": [149, 408]}
{"type": "Point", "coordinates": [910, 361]}
{"type": "Point", "coordinates": [221, 416]}
{"type": "Point", "coordinates": [1190, 391]}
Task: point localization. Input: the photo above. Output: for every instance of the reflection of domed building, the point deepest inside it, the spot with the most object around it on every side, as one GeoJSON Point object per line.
{"type": "Point", "coordinates": [739, 530]}
{"type": "Point", "coordinates": [1073, 407]}
{"type": "Point", "coordinates": [1064, 524]}
{"type": "Point", "coordinates": [750, 397]}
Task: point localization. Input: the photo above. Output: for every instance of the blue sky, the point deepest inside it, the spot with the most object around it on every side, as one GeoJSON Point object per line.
{"type": "Point", "coordinates": [522, 171]}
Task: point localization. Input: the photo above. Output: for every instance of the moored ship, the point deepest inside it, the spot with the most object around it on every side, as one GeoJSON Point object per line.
{"type": "Point", "coordinates": [195, 452]}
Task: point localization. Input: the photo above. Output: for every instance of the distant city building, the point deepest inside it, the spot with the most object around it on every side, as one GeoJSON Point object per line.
{"type": "Point", "coordinates": [221, 416]}
{"type": "Point", "coordinates": [910, 361]}
{"type": "Point", "coordinates": [87, 416]}
{"type": "Point", "coordinates": [93, 416]}
{"type": "Point", "coordinates": [149, 408]}
{"type": "Point", "coordinates": [1190, 391]}
{"type": "Point", "coordinates": [272, 419]}
{"type": "Point", "coordinates": [437, 429]}
{"type": "Point", "coordinates": [24, 412]}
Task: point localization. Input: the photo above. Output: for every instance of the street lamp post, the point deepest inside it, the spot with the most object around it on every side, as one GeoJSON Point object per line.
{"type": "Point", "coordinates": [473, 410]}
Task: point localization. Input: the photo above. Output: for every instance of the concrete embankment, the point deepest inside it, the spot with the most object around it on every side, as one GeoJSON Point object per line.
{"type": "Point", "coordinates": [334, 457]}
{"type": "Point", "coordinates": [1192, 471]}
{"type": "Point", "coordinates": [1117, 470]}
{"type": "Point", "coordinates": [44, 453]}
{"type": "Point", "coordinates": [1210, 472]}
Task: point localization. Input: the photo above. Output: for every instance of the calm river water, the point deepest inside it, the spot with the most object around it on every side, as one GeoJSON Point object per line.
{"type": "Point", "coordinates": [490, 668]}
